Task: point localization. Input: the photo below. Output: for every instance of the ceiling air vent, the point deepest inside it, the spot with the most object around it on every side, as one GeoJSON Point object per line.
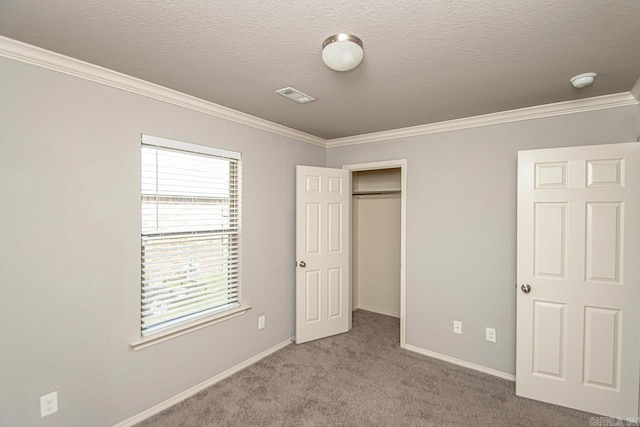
{"type": "Point", "coordinates": [295, 95]}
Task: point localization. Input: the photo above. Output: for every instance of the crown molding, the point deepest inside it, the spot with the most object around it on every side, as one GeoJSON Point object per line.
{"type": "Point", "coordinates": [536, 112]}
{"type": "Point", "coordinates": [33, 55]}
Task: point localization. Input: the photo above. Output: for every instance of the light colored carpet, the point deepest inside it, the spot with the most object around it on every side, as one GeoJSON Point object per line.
{"type": "Point", "coordinates": [361, 378]}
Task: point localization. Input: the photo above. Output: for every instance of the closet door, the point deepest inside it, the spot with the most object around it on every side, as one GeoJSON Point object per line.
{"type": "Point", "coordinates": [322, 252]}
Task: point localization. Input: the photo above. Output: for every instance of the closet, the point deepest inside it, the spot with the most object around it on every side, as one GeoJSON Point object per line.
{"type": "Point", "coordinates": [376, 210]}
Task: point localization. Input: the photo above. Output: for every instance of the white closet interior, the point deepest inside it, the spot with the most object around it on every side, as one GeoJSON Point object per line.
{"type": "Point", "coordinates": [376, 208]}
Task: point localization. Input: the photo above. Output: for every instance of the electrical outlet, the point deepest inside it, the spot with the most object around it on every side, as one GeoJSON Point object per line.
{"type": "Point", "coordinates": [48, 404]}
{"type": "Point", "coordinates": [457, 327]}
{"type": "Point", "coordinates": [262, 321]}
{"type": "Point", "coordinates": [491, 335]}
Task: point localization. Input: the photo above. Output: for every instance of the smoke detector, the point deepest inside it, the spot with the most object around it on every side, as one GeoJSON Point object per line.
{"type": "Point", "coordinates": [582, 80]}
{"type": "Point", "coordinates": [295, 95]}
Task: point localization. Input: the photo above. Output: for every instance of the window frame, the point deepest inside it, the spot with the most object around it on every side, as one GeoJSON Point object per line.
{"type": "Point", "coordinates": [180, 328]}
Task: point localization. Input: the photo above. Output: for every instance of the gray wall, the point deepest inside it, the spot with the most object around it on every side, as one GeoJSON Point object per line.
{"type": "Point", "coordinates": [69, 251]}
{"type": "Point", "coordinates": [461, 224]}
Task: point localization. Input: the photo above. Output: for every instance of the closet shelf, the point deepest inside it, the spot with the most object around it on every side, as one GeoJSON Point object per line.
{"type": "Point", "coordinates": [366, 193]}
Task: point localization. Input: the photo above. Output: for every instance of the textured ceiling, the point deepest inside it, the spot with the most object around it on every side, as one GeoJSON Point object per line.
{"type": "Point", "coordinates": [425, 61]}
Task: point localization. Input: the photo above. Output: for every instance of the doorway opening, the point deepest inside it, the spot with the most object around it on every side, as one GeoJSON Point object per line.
{"type": "Point", "coordinates": [378, 239]}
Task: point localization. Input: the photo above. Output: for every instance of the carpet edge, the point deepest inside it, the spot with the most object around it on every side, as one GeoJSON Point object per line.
{"type": "Point", "coordinates": [141, 416]}
{"type": "Point", "coordinates": [460, 362]}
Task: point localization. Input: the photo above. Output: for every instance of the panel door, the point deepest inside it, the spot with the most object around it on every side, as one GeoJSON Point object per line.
{"type": "Point", "coordinates": [578, 331]}
{"type": "Point", "coordinates": [322, 252]}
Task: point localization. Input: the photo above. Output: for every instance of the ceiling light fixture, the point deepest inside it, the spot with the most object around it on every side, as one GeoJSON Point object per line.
{"type": "Point", "coordinates": [342, 52]}
{"type": "Point", "coordinates": [582, 80]}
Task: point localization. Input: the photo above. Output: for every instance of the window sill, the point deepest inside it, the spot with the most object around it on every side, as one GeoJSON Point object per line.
{"type": "Point", "coordinates": [188, 327]}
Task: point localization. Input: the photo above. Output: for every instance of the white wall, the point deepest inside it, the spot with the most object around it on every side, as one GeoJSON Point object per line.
{"type": "Point", "coordinates": [376, 260]}
{"type": "Point", "coordinates": [70, 249]}
{"type": "Point", "coordinates": [461, 223]}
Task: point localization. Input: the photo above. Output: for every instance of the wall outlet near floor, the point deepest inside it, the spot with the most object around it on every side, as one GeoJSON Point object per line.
{"type": "Point", "coordinates": [491, 335]}
{"type": "Point", "coordinates": [48, 404]}
{"type": "Point", "coordinates": [457, 327]}
{"type": "Point", "coordinates": [262, 321]}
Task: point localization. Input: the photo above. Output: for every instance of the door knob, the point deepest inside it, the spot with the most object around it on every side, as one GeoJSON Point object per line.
{"type": "Point", "coordinates": [525, 288]}
{"type": "Point", "coordinates": [302, 264]}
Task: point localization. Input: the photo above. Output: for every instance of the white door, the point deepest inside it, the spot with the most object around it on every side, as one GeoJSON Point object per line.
{"type": "Point", "coordinates": [578, 304]}
{"type": "Point", "coordinates": [322, 252]}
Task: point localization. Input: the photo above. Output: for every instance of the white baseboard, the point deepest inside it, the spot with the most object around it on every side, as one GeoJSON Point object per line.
{"type": "Point", "coordinates": [475, 367]}
{"type": "Point", "coordinates": [378, 310]}
{"type": "Point", "coordinates": [199, 387]}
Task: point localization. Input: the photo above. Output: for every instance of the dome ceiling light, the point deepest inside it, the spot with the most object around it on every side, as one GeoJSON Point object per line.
{"type": "Point", "coordinates": [582, 80]}
{"type": "Point", "coordinates": [342, 52]}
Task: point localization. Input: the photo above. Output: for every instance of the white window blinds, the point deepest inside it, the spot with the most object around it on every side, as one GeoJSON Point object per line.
{"type": "Point", "coordinates": [190, 198]}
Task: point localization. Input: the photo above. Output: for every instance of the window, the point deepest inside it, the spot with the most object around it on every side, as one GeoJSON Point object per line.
{"type": "Point", "coordinates": [190, 239]}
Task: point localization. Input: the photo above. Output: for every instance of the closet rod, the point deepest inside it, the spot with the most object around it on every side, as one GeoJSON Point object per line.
{"type": "Point", "coordinates": [367, 193]}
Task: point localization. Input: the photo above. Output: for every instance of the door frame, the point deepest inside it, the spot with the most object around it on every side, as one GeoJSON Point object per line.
{"type": "Point", "coordinates": [387, 164]}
